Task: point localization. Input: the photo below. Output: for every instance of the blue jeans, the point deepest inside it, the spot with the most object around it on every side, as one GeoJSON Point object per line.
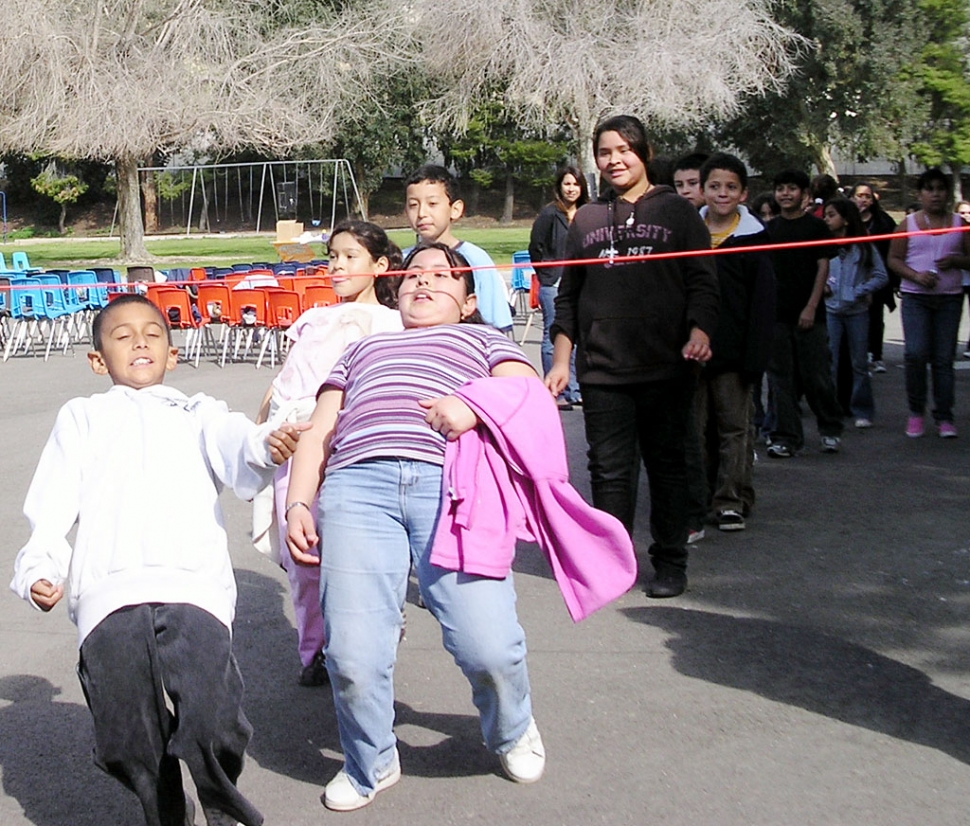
{"type": "Point", "coordinates": [547, 303]}
{"type": "Point", "coordinates": [630, 423]}
{"type": "Point", "coordinates": [931, 324]}
{"type": "Point", "coordinates": [856, 329]}
{"type": "Point", "coordinates": [376, 520]}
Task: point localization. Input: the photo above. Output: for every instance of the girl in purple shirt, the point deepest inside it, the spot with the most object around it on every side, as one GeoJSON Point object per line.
{"type": "Point", "coordinates": [378, 442]}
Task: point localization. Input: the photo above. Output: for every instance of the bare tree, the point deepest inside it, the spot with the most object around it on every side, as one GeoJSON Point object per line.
{"type": "Point", "coordinates": [121, 79]}
{"type": "Point", "coordinates": [675, 63]}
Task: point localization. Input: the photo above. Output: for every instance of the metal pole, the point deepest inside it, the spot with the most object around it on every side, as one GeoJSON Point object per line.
{"type": "Point", "coordinates": [188, 222]}
{"type": "Point", "coordinates": [3, 195]}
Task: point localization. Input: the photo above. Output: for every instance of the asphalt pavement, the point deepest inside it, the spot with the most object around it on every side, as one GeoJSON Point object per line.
{"type": "Point", "coordinates": [817, 670]}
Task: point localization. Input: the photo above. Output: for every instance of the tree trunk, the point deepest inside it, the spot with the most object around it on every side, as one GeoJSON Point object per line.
{"type": "Point", "coordinates": [130, 226]}
{"type": "Point", "coordinates": [204, 212]}
{"type": "Point", "coordinates": [903, 185]}
{"type": "Point", "coordinates": [955, 169]}
{"type": "Point", "coordinates": [63, 218]}
{"type": "Point", "coordinates": [822, 159]}
{"type": "Point", "coordinates": [583, 128]}
{"type": "Point", "coordinates": [509, 206]}
{"type": "Point", "coordinates": [472, 200]}
{"type": "Point", "coordinates": [360, 171]}
{"type": "Point", "coordinates": [150, 194]}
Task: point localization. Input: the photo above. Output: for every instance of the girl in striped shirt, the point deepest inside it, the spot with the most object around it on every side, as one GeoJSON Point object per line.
{"type": "Point", "coordinates": [379, 432]}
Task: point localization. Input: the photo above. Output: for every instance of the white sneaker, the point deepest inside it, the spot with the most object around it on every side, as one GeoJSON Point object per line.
{"type": "Point", "coordinates": [863, 423]}
{"type": "Point", "coordinates": [831, 444]}
{"type": "Point", "coordinates": [341, 795]}
{"type": "Point", "coordinates": [526, 760]}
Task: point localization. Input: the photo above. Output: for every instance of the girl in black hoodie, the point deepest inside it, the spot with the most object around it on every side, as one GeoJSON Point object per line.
{"type": "Point", "coordinates": [638, 326]}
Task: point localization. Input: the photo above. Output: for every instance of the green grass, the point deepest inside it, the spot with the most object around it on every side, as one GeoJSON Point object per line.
{"type": "Point", "coordinates": [217, 251]}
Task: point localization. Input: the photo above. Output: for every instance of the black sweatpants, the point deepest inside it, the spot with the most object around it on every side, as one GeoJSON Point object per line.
{"type": "Point", "coordinates": [130, 663]}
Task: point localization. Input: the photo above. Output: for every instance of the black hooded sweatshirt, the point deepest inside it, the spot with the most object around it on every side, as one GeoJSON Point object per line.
{"type": "Point", "coordinates": [630, 320]}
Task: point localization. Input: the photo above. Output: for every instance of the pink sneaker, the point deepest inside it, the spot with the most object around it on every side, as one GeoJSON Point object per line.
{"type": "Point", "coordinates": [947, 430]}
{"type": "Point", "coordinates": [914, 427]}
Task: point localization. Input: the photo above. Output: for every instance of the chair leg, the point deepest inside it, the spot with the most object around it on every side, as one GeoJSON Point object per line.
{"type": "Point", "coordinates": [225, 346]}
{"type": "Point", "coordinates": [528, 326]}
{"type": "Point", "coordinates": [266, 344]}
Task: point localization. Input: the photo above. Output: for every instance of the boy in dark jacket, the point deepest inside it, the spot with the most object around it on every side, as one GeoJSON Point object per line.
{"type": "Point", "coordinates": [800, 347]}
{"type": "Point", "coordinates": [741, 344]}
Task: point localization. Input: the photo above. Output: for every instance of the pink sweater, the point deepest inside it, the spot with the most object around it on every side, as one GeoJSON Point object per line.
{"type": "Point", "coordinates": [508, 479]}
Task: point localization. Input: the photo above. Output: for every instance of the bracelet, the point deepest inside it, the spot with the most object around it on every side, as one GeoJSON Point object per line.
{"type": "Point", "coordinates": [293, 505]}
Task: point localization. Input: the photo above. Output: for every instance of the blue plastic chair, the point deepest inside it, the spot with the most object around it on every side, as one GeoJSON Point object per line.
{"type": "Point", "coordinates": [4, 310]}
{"type": "Point", "coordinates": [522, 270]}
{"type": "Point", "coordinates": [27, 311]}
{"type": "Point", "coordinates": [110, 278]}
{"type": "Point", "coordinates": [91, 295]}
{"type": "Point", "coordinates": [522, 274]}
{"type": "Point", "coordinates": [62, 310]}
{"type": "Point", "coordinates": [106, 275]}
{"type": "Point", "coordinates": [21, 263]}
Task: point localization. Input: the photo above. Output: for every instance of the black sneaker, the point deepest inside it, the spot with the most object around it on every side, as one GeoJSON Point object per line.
{"type": "Point", "coordinates": [315, 674]}
{"type": "Point", "coordinates": [730, 520]}
{"type": "Point", "coordinates": [778, 450]}
{"type": "Point", "coordinates": [668, 581]}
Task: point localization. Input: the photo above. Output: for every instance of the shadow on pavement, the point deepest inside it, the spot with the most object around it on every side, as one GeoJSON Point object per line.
{"type": "Point", "coordinates": [295, 728]}
{"type": "Point", "coordinates": [46, 759]}
{"type": "Point", "coordinates": [802, 667]}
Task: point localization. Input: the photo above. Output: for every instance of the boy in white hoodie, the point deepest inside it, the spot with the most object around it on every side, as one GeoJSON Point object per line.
{"type": "Point", "coordinates": [151, 584]}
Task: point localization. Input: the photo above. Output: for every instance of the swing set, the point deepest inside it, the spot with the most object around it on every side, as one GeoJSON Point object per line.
{"type": "Point", "coordinates": [289, 185]}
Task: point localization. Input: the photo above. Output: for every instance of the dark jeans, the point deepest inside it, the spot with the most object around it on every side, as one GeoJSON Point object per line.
{"type": "Point", "coordinates": [802, 354]}
{"type": "Point", "coordinates": [931, 325]}
{"type": "Point", "coordinates": [547, 303]}
{"type": "Point", "coordinates": [877, 327]}
{"type": "Point", "coordinates": [697, 446]}
{"type": "Point", "coordinates": [725, 398]}
{"type": "Point", "coordinates": [129, 664]}
{"type": "Point", "coordinates": [649, 419]}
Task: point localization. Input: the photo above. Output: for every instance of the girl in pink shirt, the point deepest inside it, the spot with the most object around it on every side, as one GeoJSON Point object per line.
{"type": "Point", "coordinates": [360, 253]}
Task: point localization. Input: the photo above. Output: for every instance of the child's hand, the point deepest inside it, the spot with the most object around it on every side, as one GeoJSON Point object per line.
{"type": "Point", "coordinates": [698, 346]}
{"type": "Point", "coordinates": [449, 415]}
{"type": "Point", "coordinates": [556, 379]}
{"type": "Point", "coordinates": [301, 535]}
{"type": "Point", "coordinates": [45, 595]}
{"type": "Point", "coordinates": [806, 320]}
{"type": "Point", "coordinates": [282, 443]}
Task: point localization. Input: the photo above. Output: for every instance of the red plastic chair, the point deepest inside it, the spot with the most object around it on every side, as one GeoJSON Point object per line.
{"type": "Point", "coordinates": [302, 283]}
{"type": "Point", "coordinates": [283, 308]}
{"type": "Point", "coordinates": [214, 308]}
{"type": "Point", "coordinates": [533, 307]}
{"type": "Point", "coordinates": [319, 295]}
{"type": "Point", "coordinates": [247, 314]}
{"type": "Point", "coordinates": [177, 310]}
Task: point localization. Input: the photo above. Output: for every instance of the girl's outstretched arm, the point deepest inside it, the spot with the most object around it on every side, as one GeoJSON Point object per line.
{"type": "Point", "coordinates": [306, 475]}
